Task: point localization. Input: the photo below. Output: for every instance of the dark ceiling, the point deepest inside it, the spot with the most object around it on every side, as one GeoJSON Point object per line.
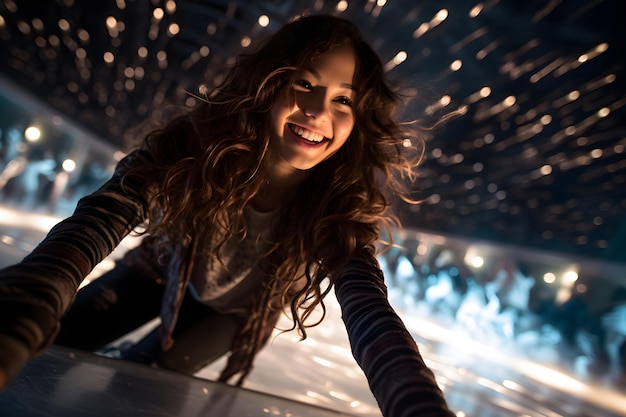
{"type": "Point", "coordinates": [535, 159]}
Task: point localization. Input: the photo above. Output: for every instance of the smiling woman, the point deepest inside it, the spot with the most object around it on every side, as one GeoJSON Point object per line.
{"type": "Point", "coordinates": [257, 202]}
{"type": "Point", "coordinates": [314, 118]}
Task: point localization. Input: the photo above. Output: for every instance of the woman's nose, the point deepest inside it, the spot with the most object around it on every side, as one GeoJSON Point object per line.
{"type": "Point", "coordinates": [315, 105]}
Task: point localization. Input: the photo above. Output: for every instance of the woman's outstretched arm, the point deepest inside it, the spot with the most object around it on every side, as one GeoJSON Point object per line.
{"type": "Point", "coordinates": [35, 293]}
{"type": "Point", "coordinates": [399, 379]}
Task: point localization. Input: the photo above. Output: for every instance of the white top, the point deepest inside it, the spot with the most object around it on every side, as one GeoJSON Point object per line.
{"type": "Point", "coordinates": [227, 284]}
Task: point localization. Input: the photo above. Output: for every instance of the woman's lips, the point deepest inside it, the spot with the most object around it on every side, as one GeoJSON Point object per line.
{"type": "Point", "coordinates": [304, 141]}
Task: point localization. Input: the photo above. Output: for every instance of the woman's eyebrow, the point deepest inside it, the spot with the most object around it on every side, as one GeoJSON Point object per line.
{"type": "Point", "coordinates": [348, 86]}
{"type": "Point", "coordinates": [318, 77]}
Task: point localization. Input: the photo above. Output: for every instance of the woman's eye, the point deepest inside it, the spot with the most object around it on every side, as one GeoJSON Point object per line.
{"type": "Point", "coordinates": [344, 100]}
{"type": "Point", "coordinates": [304, 84]}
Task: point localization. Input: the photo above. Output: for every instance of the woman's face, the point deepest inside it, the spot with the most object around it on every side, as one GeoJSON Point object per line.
{"type": "Point", "coordinates": [312, 118]}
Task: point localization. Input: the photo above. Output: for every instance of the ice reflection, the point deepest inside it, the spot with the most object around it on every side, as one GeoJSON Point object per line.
{"type": "Point", "coordinates": [319, 370]}
{"type": "Point", "coordinates": [478, 379]}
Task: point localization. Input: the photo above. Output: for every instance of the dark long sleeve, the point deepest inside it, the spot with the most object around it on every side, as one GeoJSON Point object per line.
{"type": "Point", "coordinates": [36, 292]}
{"type": "Point", "coordinates": [399, 379]}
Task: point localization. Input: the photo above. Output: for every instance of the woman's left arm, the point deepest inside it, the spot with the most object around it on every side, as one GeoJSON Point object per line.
{"type": "Point", "coordinates": [399, 379]}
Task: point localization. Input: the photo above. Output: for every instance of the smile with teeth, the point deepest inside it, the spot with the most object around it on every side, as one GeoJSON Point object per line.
{"type": "Point", "coordinates": [306, 134]}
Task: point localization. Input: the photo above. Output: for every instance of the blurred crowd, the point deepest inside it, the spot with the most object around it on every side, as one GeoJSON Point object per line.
{"type": "Point", "coordinates": [32, 175]}
{"type": "Point", "coordinates": [502, 304]}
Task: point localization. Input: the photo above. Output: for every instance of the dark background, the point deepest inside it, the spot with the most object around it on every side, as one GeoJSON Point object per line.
{"type": "Point", "coordinates": [539, 162]}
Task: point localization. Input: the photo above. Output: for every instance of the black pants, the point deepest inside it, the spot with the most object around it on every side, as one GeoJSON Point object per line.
{"type": "Point", "coordinates": [122, 300]}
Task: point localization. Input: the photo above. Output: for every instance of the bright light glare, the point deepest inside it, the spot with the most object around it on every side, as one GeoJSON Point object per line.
{"type": "Point", "coordinates": [477, 261]}
{"type": "Point", "coordinates": [570, 277]}
{"type": "Point", "coordinates": [473, 257]}
{"type": "Point", "coordinates": [264, 21]}
{"type": "Point", "coordinates": [441, 15]}
{"type": "Point", "coordinates": [400, 57]}
{"type": "Point", "coordinates": [69, 165]}
{"type": "Point", "coordinates": [32, 133]}
{"type": "Point", "coordinates": [38, 222]}
{"type": "Point", "coordinates": [549, 278]}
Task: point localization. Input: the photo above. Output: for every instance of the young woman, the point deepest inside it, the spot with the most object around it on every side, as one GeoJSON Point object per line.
{"type": "Point", "coordinates": [261, 199]}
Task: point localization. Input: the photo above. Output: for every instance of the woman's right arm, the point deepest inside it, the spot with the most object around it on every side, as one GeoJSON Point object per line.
{"type": "Point", "coordinates": [36, 292]}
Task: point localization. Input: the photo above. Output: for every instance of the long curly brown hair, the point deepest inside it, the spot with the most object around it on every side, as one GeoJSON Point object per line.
{"type": "Point", "coordinates": [206, 167]}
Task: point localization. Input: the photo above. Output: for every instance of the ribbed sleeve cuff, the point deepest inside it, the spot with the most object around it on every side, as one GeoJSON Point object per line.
{"type": "Point", "coordinates": [13, 356]}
